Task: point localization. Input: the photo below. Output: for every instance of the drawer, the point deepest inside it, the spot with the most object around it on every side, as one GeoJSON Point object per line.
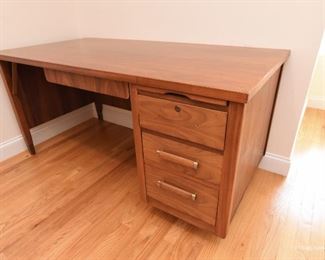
{"type": "Point", "coordinates": [194, 123]}
{"type": "Point", "coordinates": [182, 159]}
{"type": "Point", "coordinates": [99, 85]}
{"type": "Point", "coordinates": [181, 194]}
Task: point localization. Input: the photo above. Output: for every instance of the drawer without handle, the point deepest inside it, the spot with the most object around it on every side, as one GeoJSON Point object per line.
{"type": "Point", "coordinates": [94, 84]}
{"type": "Point", "coordinates": [189, 122]}
{"type": "Point", "coordinates": [182, 159]}
{"type": "Point", "coordinates": [186, 196]}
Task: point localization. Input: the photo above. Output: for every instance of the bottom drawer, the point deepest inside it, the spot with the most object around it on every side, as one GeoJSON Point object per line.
{"type": "Point", "coordinates": [185, 196]}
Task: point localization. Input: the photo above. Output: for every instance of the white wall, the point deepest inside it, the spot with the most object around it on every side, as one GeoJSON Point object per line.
{"type": "Point", "coordinates": [316, 96]}
{"type": "Point", "coordinates": [28, 22]}
{"type": "Point", "coordinates": [294, 25]}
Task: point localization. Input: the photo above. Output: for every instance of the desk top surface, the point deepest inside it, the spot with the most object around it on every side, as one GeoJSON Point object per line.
{"type": "Point", "coordinates": [225, 72]}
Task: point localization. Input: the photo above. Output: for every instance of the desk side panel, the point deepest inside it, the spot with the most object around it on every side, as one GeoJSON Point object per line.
{"type": "Point", "coordinates": [246, 138]}
{"type": "Point", "coordinates": [256, 124]}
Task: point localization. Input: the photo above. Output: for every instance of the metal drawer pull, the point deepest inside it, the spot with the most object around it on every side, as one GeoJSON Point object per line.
{"type": "Point", "coordinates": [178, 159]}
{"type": "Point", "coordinates": [185, 194]}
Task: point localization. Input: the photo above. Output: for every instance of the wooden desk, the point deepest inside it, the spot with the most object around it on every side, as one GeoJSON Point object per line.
{"type": "Point", "coordinates": [201, 113]}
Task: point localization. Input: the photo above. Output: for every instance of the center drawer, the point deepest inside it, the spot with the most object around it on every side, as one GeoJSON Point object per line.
{"type": "Point", "coordinates": [197, 124]}
{"type": "Point", "coordinates": [182, 159]}
{"type": "Point", "coordinates": [183, 195]}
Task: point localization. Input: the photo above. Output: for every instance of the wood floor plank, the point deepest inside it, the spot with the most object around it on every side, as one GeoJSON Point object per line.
{"type": "Point", "coordinates": [15, 161]}
{"type": "Point", "coordinates": [58, 227]}
{"type": "Point", "coordinates": [54, 153]}
{"type": "Point", "coordinates": [51, 192]}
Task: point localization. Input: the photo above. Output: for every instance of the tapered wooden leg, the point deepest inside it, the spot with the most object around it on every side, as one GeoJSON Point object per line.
{"type": "Point", "coordinates": [99, 110]}
{"type": "Point", "coordinates": [9, 75]}
{"type": "Point", "coordinates": [138, 142]}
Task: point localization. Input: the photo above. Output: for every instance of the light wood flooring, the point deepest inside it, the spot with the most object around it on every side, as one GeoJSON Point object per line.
{"type": "Point", "coordinates": [78, 199]}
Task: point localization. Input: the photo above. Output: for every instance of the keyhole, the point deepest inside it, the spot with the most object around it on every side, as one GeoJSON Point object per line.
{"type": "Point", "coordinates": [177, 109]}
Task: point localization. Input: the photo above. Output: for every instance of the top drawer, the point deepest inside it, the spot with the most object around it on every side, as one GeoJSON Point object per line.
{"type": "Point", "coordinates": [193, 123]}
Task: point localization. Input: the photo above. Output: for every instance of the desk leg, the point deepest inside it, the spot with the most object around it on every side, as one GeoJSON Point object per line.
{"type": "Point", "coordinates": [138, 142]}
{"type": "Point", "coordinates": [10, 79]}
{"type": "Point", "coordinates": [99, 109]}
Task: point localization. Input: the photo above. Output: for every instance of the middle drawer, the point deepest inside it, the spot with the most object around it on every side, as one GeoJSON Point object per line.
{"type": "Point", "coordinates": [182, 159]}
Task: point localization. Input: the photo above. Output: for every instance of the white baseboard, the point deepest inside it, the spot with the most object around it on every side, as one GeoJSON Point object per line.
{"type": "Point", "coordinates": [315, 102]}
{"type": "Point", "coordinates": [117, 116]}
{"type": "Point", "coordinates": [46, 131]}
{"type": "Point", "coordinates": [275, 163]}
{"type": "Point", "coordinates": [11, 147]}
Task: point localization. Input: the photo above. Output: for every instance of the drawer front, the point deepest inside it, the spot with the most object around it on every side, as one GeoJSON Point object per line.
{"type": "Point", "coordinates": [196, 124]}
{"type": "Point", "coordinates": [182, 159]}
{"type": "Point", "coordinates": [99, 85]}
{"type": "Point", "coordinates": [181, 194]}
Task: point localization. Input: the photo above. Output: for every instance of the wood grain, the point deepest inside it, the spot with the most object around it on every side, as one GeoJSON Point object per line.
{"type": "Point", "coordinates": [34, 211]}
{"type": "Point", "coordinates": [229, 73]}
{"type": "Point", "coordinates": [257, 116]}
{"type": "Point", "coordinates": [93, 84]}
{"type": "Point", "coordinates": [183, 216]}
{"type": "Point", "coordinates": [204, 207]}
{"type": "Point", "coordinates": [209, 163]}
{"type": "Point", "coordinates": [188, 122]}
{"type": "Point", "coordinates": [247, 131]}
{"type": "Point", "coordinates": [84, 211]}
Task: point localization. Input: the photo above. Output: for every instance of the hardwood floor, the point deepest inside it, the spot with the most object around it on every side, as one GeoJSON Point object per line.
{"type": "Point", "coordinates": [78, 198]}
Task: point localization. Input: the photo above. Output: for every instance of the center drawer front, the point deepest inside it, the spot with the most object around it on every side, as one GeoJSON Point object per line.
{"type": "Point", "coordinates": [99, 85]}
{"type": "Point", "coordinates": [197, 124]}
{"type": "Point", "coordinates": [181, 194]}
{"type": "Point", "coordinates": [182, 159]}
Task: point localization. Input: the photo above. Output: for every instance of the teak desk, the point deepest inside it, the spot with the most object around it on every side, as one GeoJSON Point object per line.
{"type": "Point", "coordinates": [201, 113]}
